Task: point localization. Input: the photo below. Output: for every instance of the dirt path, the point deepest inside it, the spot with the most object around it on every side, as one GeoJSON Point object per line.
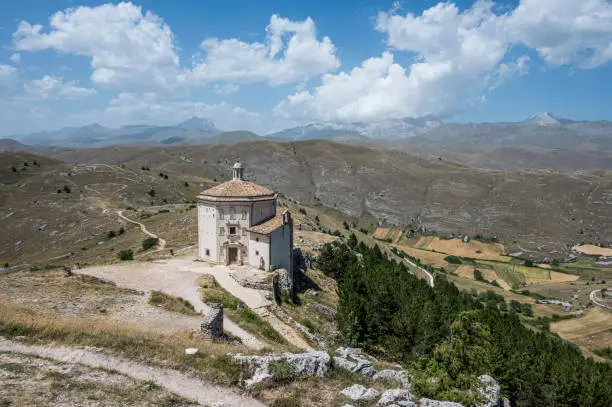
{"type": "Point", "coordinates": [175, 277]}
{"type": "Point", "coordinates": [593, 297]}
{"type": "Point", "coordinates": [255, 300]}
{"type": "Point", "coordinates": [177, 382]}
{"type": "Point", "coordinates": [161, 244]}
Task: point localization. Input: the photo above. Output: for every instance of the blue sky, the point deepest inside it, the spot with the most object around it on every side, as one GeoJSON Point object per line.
{"type": "Point", "coordinates": [268, 65]}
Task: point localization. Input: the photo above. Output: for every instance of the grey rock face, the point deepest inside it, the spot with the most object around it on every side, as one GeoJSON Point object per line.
{"type": "Point", "coordinates": [391, 375]}
{"type": "Point", "coordinates": [490, 390]}
{"type": "Point", "coordinates": [394, 396]}
{"type": "Point", "coordinates": [435, 403]}
{"type": "Point", "coordinates": [212, 323]}
{"type": "Point", "coordinates": [357, 392]}
{"type": "Point", "coordinates": [354, 360]}
{"type": "Point", "coordinates": [328, 312]}
{"type": "Point", "coordinates": [304, 364]}
{"type": "Point", "coordinates": [285, 281]}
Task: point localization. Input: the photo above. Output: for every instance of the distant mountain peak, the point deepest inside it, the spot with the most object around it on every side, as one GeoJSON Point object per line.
{"type": "Point", "coordinates": [198, 123]}
{"type": "Point", "coordinates": [547, 119]}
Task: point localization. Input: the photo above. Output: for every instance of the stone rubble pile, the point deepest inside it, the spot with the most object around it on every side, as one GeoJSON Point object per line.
{"type": "Point", "coordinates": [354, 360]}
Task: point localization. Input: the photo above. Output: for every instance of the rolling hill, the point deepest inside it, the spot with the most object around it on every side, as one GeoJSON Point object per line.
{"type": "Point", "coordinates": [542, 211]}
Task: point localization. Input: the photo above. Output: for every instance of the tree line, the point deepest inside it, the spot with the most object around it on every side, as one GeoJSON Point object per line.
{"type": "Point", "coordinates": [447, 338]}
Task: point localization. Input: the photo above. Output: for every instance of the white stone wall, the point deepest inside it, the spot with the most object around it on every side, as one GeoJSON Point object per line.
{"type": "Point", "coordinates": [259, 248]}
{"type": "Point", "coordinates": [207, 237]}
{"type": "Point", "coordinates": [262, 211]}
{"type": "Point", "coordinates": [280, 241]}
{"type": "Point", "coordinates": [228, 216]}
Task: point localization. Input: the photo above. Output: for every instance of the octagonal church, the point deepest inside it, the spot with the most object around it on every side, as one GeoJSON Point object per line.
{"type": "Point", "coordinates": [238, 223]}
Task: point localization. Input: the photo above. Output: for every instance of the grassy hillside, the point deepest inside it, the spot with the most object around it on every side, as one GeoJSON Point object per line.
{"type": "Point", "coordinates": [535, 210]}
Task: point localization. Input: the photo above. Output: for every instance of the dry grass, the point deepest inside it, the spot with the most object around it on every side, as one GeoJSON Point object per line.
{"type": "Point", "coordinates": [172, 303]}
{"type": "Point", "coordinates": [32, 381]}
{"type": "Point", "coordinates": [593, 250]}
{"type": "Point", "coordinates": [427, 257]}
{"type": "Point", "coordinates": [123, 340]}
{"type": "Point", "coordinates": [238, 312]}
{"type": "Point", "coordinates": [592, 331]}
{"type": "Point", "coordinates": [473, 249]}
{"type": "Point", "coordinates": [467, 271]}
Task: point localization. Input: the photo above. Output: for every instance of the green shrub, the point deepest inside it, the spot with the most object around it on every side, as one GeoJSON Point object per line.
{"type": "Point", "coordinates": [282, 371]}
{"type": "Point", "coordinates": [528, 263]}
{"type": "Point", "coordinates": [149, 242]}
{"type": "Point", "coordinates": [126, 254]}
{"type": "Point", "coordinates": [452, 259]}
{"type": "Point", "coordinates": [478, 275]}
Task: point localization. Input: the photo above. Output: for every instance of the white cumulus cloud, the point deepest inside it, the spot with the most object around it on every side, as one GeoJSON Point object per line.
{"type": "Point", "coordinates": [50, 87]}
{"type": "Point", "coordinates": [291, 53]}
{"type": "Point", "coordinates": [128, 49]}
{"type": "Point", "coordinates": [459, 56]}
{"type": "Point", "coordinates": [565, 32]}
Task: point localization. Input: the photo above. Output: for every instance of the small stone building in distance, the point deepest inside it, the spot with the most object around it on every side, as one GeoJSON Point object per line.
{"type": "Point", "coordinates": [238, 223]}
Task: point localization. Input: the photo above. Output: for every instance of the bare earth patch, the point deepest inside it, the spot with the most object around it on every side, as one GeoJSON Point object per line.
{"type": "Point", "coordinates": [593, 250]}
{"type": "Point", "coordinates": [427, 257]}
{"type": "Point", "coordinates": [472, 249]}
{"type": "Point", "coordinates": [27, 380]}
{"type": "Point", "coordinates": [592, 331]}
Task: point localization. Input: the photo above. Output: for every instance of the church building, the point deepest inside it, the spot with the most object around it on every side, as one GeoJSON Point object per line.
{"type": "Point", "coordinates": [238, 223]}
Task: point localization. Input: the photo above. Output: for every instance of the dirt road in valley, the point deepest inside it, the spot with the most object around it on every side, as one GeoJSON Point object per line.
{"type": "Point", "coordinates": [597, 301]}
{"type": "Point", "coordinates": [179, 383]}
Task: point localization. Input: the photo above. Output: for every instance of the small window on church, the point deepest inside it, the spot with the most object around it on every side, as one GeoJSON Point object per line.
{"type": "Point", "coordinates": [244, 215]}
{"type": "Point", "coordinates": [221, 231]}
{"type": "Point", "coordinates": [256, 252]}
{"type": "Point", "coordinates": [257, 239]}
{"type": "Point", "coordinates": [232, 230]}
{"type": "Point", "coordinates": [207, 252]}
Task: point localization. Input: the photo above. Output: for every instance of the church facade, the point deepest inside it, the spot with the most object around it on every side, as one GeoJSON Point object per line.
{"type": "Point", "coordinates": [238, 223]}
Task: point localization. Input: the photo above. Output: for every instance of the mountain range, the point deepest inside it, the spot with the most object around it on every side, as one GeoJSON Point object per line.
{"type": "Point", "coordinates": [541, 141]}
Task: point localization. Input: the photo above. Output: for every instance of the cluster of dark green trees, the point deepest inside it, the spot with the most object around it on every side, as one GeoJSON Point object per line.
{"type": "Point", "coordinates": [448, 337]}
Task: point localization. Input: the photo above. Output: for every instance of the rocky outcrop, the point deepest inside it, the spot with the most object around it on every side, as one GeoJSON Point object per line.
{"type": "Point", "coordinates": [285, 282]}
{"type": "Point", "coordinates": [435, 403]}
{"type": "Point", "coordinates": [212, 323]}
{"type": "Point", "coordinates": [490, 390]}
{"type": "Point", "coordinates": [357, 392]}
{"type": "Point", "coordinates": [327, 312]}
{"type": "Point", "coordinates": [390, 375]}
{"type": "Point", "coordinates": [395, 396]}
{"type": "Point", "coordinates": [353, 359]}
{"type": "Point", "coordinates": [303, 364]}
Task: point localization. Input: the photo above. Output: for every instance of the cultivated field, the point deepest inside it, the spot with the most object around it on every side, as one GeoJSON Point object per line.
{"type": "Point", "coordinates": [456, 247]}
{"type": "Point", "coordinates": [592, 331]}
{"type": "Point", "coordinates": [593, 250]}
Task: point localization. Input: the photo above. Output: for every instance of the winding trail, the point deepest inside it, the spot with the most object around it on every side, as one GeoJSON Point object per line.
{"type": "Point", "coordinates": [161, 243]}
{"type": "Point", "coordinates": [595, 300]}
{"type": "Point", "coordinates": [179, 383]}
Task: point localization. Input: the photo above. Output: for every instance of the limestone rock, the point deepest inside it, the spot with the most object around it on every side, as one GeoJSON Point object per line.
{"type": "Point", "coordinates": [305, 364]}
{"type": "Point", "coordinates": [394, 396]}
{"type": "Point", "coordinates": [344, 363]}
{"type": "Point", "coordinates": [212, 323]}
{"type": "Point", "coordinates": [328, 312]}
{"type": "Point", "coordinates": [357, 392]}
{"type": "Point", "coordinates": [490, 390]}
{"type": "Point", "coordinates": [354, 360]}
{"type": "Point", "coordinates": [285, 281]}
{"type": "Point", "coordinates": [435, 403]}
{"type": "Point", "coordinates": [391, 375]}
{"type": "Point", "coordinates": [191, 351]}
